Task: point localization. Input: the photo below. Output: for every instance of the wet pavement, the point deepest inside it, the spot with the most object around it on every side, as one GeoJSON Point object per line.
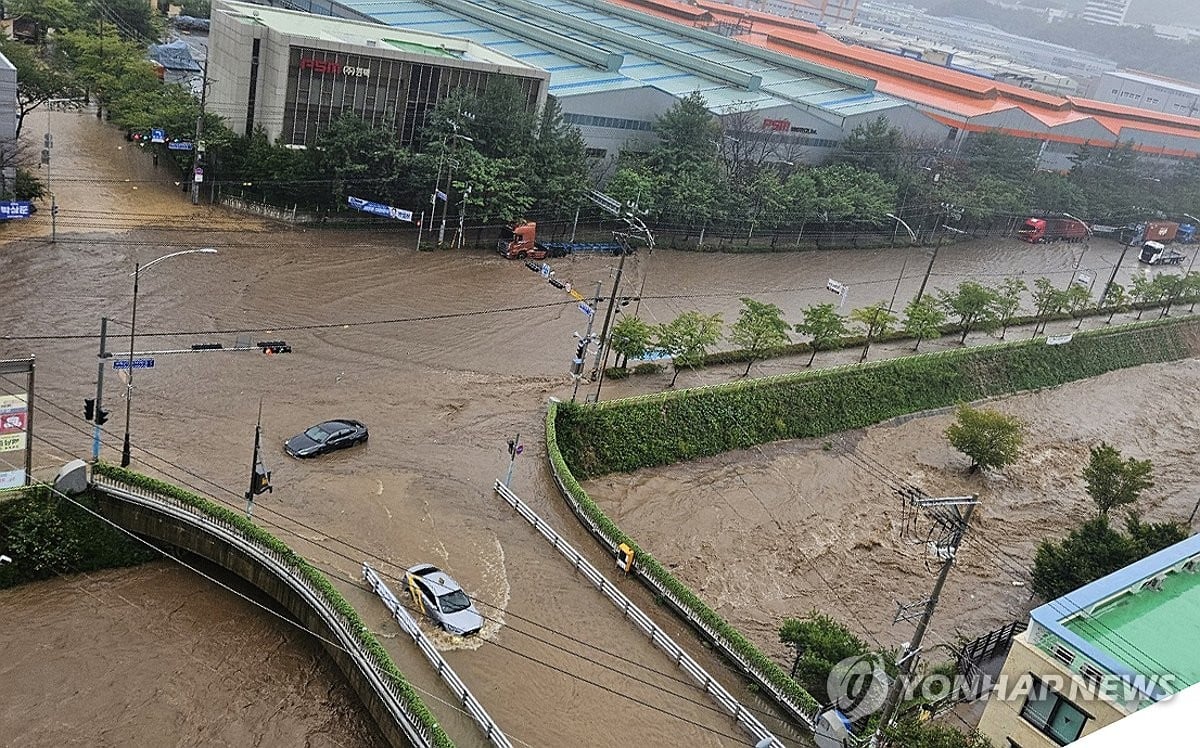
{"type": "Point", "coordinates": [445, 355]}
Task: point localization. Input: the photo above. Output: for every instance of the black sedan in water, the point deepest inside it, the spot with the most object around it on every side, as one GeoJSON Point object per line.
{"type": "Point", "coordinates": [326, 437]}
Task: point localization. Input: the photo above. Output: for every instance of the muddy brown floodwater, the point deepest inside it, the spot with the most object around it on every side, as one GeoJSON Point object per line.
{"type": "Point", "coordinates": [446, 355]}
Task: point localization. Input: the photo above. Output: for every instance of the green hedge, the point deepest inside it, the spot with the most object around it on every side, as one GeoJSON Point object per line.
{"type": "Point", "coordinates": [659, 429]}
{"type": "Point", "coordinates": [651, 567]}
{"type": "Point", "coordinates": [253, 532]}
{"type": "Point", "coordinates": [46, 535]}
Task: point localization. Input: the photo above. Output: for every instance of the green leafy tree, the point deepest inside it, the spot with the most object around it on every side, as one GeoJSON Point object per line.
{"type": "Point", "coordinates": [972, 305]}
{"type": "Point", "coordinates": [48, 14]}
{"type": "Point", "coordinates": [1008, 301]}
{"type": "Point", "coordinates": [686, 132]}
{"type": "Point", "coordinates": [759, 328]}
{"type": "Point", "coordinates": [687, 339]}
{"type": "Point", "coordinates": [497, 187]}
{"type": "Point", "coordinates": [1112, 481]}
{"type": "Point", "coordinates": [197, 8]}
{"type": "Point", "coordinates": [37, 81]}
{"type": "Point", "coordinates": [631, 338]}
{"type": "Point", "coordinates": [845, 193]}
{"type": "Point", "coordinates": [559, 152]}
{"type": "Point", "coordinates": [820, 643]}
{"type": "Point", "coordinates": [913, 732]}
{"type": "Point", "coordinates": [878, 147]}
{"type": "Point", "coordinates": [877, 320]}
{"type": "Point", "coordinates": [1047, 300]}
{"type": "Point", "coordinates": [923, 320]}
{"type": "Point", "coordinates": [1168, 288]}
{"type": "Point", "coordinates": [824, 326]}
{"type": "Point", "coordinates": [1116, 300]}
{"type": "Point", "coordinates": [635, 184]}
{"type": "Point", "coordinates": [1078, 298]}
{"type": "Point", "coordinates": [799, 194]}
{"type": "Point", "coordinates": [990, 438]}
{"type": "Point", "coordinates": [1096, 549]}
{"type": "Point", "coordinates": [1142, 291]}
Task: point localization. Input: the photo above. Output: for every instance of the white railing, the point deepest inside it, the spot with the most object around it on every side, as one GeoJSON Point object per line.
{"type": "Point", "coordinates": [660, 638]}
{"type": "Point", "coordinates": [286, 570]}
{"type": "Point", "coordinates": [806, 717]}
{"type": "Point", "coordinates": [470, 704]}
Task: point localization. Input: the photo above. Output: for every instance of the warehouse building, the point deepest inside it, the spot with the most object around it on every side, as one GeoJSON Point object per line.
{"type": "Point", "coordinates": [614, 70]}
{"type": "Point", "coordinates": [293, 73]}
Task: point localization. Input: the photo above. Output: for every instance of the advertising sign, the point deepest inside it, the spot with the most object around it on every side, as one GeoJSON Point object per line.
{"type": "Point", "coordinates": [379, 209]}
{"type": "Point", "coordinates": [14, 422]}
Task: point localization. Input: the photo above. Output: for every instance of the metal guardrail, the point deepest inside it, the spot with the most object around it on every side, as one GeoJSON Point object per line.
{"type": "Point", "coordinates": [660, 638]}
{"type": "Point", "coordinates": [471, 704]}
{"type": "Point", "coordinates": [806, 717]}
{"type": "Point", "coordinates": [371, 669]}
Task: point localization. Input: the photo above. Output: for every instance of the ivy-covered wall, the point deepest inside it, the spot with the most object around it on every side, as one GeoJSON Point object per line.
{"type": "Point", "coordinates": [659, 429]}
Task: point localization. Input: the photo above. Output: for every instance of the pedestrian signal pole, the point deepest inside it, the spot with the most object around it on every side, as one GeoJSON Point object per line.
{"type": "Point", "coordinates": [515, 448]}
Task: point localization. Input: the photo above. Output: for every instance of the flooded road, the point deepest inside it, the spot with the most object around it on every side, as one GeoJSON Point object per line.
{"type": "Point", "coordinates": [445, 355]}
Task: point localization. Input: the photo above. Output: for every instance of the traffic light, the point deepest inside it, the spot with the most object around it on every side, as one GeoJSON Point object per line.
{"type": "Point", "coordinates": [262, 480]}
{"type": "Point", "coordinates": [512, 447]}
{"type": "Point", "coordinates": [271, 347]}
{"type": "Point", "coordinates": [101, 417]}
{"type": "Point", "coordinates": [89, 408]}
{"type": "Point", "coordinates": [580, 353]}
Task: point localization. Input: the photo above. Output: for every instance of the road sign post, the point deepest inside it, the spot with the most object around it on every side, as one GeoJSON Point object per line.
{"type": "Point", "coordinates": [838, 288]}
{"type": "Point", "coordinates": [138, 363]}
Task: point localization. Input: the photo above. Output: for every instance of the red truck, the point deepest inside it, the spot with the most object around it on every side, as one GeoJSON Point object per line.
{"type": "Point", "coordinates": [1042, 230]}
{"type": "Point", "coordinates": [520, 242]}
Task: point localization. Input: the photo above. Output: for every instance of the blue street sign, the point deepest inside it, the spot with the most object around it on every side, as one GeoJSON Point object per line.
{"type": "Point", "coordinates": [379, 209]}
{"type": "Point", "coordinates": [545, 270]}
{"type": "Point", "coordinates": [586, 309]}
{"type": "Point", "coordinates": [158, 135]}
{"type": "Point", "coordinates": [14, 209]}
{"type": "Point", "coordinates": [179, 146]}
{"type": "Point", "coordinates": [138, 363]}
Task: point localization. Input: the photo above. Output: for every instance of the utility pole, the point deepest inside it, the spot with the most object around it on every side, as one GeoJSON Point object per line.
{"type": "Point", "coordinates": [581, 352]}
{"type": "Point", "coordinates": [197, 149]}
{"type": "Point", "coordinates": [602, 346]}
{"type": "Point", "coordinates": [515, 448]}
{"type": "Point", "coordinates": [945, 512]}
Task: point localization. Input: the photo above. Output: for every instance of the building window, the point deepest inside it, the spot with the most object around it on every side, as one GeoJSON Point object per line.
{"type": "Point", "coordinates": [1049, 712]}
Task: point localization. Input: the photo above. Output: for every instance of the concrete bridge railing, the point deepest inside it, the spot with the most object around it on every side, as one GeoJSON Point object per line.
{"type": "Point", "coordinates": [171, 520]}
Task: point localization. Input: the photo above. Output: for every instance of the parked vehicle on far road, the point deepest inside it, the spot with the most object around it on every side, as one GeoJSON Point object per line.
{"type": "Point", "coordinates": [1043, 230]}
{"type": "Point", "coordinates": [326, 436]}
{"type": "Point", "coordinates": [1157, 253]}
{"type": "Point", "coordinates": [519, 242]}
{"type": "Point", "coordinates": [441, 598]}
{"type": "Point", "coordinates": [1164, 232]}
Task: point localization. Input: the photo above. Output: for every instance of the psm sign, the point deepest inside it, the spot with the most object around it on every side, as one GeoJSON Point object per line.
{"type": "Point", "coordinates": [333, 67]}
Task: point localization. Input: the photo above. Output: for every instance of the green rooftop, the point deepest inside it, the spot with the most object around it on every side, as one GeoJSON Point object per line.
{"type": "Point", "coordinates": [1150, 630]}
{"type": "Point", "coordinates": [422, 49]}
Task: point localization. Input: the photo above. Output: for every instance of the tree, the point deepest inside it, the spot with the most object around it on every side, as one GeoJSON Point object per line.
{"type": "Point", "coordinates": [1047, 300]}
{"type": "Point", "coordinates": [1116, 300]}
{"type": "Point", "coordinates": [1113, 482]}
{"type": "Point", "coordinates": [559, 152]}
{"type": "Point", "coordinates": [845, 193]}
{"type": "Point", "coordinates": [972, 304]}
{"type": "Point", "coordinates": [820, 643]}
{"type": "Point", "coordinates": [630, 338]}
{"type": "Point", "coordinates": [923, 320]}
{"type": "Point", "coordinates": [37, 82]}
{"type": "Point", "coordinates": [879, 147]}
{"type": "Point", "coordinates": [758, 329]}
{"type": "Point", "coordinates": [1141, 292]}
{"type": "Point", "coordinates": [877, 319]}
{"type": "Point", "coordinates": [824, 325]}
{"type": "Point", "coordinates": [1096, 549]}
{"type": "Point", "coordinates": [686, 132]}
{"type": "Point", "coordinates": [1008, 301]}
{"type": "Point", "coordinates": [687, 339]}
{"type": "Point", "coordinates": [913, 732]}
{"type": "Point", "coordinates": [990, 438]}
{"type": "Point", "coordinates": [47, 14]}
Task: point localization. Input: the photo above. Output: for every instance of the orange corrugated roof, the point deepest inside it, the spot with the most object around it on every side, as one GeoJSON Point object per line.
{"type": "Point", "coordinates": [957, 95]}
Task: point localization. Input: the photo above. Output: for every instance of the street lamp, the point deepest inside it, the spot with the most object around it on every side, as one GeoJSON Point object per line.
{"type": "Point", "coordinates": [1086, 244]}
{"type": "Point", "coordinates": [907, 228]}
{"type": "Point", "coordinates": [137, 271]}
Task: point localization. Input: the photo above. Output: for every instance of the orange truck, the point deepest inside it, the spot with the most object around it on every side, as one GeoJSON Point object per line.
{"type": "Point", "coordinates": [519, 242]}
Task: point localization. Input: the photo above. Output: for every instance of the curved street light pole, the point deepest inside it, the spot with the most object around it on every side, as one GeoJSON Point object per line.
{"type": "Point", "coordinates": [137, 271]}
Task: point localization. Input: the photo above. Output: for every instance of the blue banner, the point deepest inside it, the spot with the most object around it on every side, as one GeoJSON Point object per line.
{"type": "Point", "coordinates": [14, 209]}
{"type": "Point", "coordinates": [179, 146]}
{"type": "Point", "coordinates": [379, 209]}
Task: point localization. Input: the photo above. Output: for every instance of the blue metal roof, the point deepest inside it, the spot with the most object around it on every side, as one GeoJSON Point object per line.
{"type": "Point", "coordinates": [645, 48]}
